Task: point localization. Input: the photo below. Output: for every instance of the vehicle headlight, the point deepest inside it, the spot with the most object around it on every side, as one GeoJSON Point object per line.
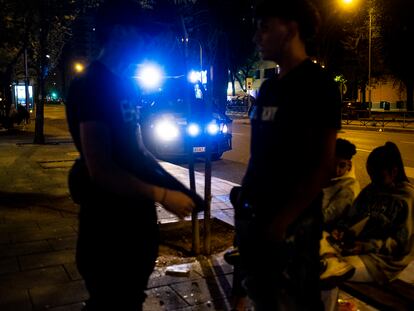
{"type": "Point", "coordinates": [193, 129]}
{"type": "Point", "coordinates": [213, 128]}
{"type": "Point", "coordinates": [166, 130]}
{"type": "Point", "coordinates": [225, 129]}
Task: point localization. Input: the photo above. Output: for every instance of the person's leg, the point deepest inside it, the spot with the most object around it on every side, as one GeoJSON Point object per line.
{"type": "Point", "coordinates": [290, 279]}
{"type": "Point", "coordinates": [330, 298]}
{"type": "Point", "coordinates": [115, 257]}
{"type": "Point", "coordinates": [361, 273]}
{"type": "Point", "coordinates": [118, 281]}
{"type": "Point", "coordinates": [336, 268]}
{"type": "Point", "coordinates": [325, 246]}
{"type": "Point", "coordinates": [238, 292]}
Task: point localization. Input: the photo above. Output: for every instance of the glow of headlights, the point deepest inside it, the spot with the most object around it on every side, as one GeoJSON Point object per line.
{"type": "Point", "coordinates": [166, 130]}
{"type": "Point", "coordinates": [150, 76]}
{"type": "Point", "coordinates": [212, 128]}
{"type": "Point", "coordinates": [225, 129]}
{"type": "Point", "coordinates": [193, 129]}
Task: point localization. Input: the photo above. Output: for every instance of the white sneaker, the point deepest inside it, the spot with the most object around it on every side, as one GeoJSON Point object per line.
{"type": "Point", "coordinates": [338, 270]}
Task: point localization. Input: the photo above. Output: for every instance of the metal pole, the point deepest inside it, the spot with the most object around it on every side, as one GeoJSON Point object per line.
{"type": "Point", "coordinates": [194, 215]}
{"type": "Point", "coordinates": [26, 85]}
{"type": "Point", "coordinates": [207, 173]}
{"type": "Point", "coordinates": [201, 62]}
{"type": "Point", "coordinates": [207, 199]}
{"type": "Point", "coordinates": [369, 58]}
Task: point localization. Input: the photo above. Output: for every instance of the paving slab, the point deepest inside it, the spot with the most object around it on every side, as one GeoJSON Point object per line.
{"type": "Point", "coordinates": [33, 278]}
{"type": "Point", "coordinates": [52, 258]}
{"type": "Point", "coordinates": [25, 248]}
{"type": "Point", "coordinates": [15, 300]}
{"type": "Point", "coordinates": [46, 297]}
{"type": "Point", "coordinates": [163, 298]}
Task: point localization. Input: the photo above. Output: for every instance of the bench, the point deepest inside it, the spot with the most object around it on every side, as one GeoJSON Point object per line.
{"type": "Point", "coordinates": [396, 295]}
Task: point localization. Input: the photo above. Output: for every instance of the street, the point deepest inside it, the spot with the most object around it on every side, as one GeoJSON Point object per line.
{"type": "Point", "coordinates": [234, 162]}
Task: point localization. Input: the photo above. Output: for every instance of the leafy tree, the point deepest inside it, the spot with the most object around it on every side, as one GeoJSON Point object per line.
{"type": "Point", "coordinates": [345, 43]}
{"type": "Point", "coordinates": [224, 30]}
{"type": "Point", "coordinates": [13, 34]}
{"type": "Point", "coordinates": [243, 57]}
{"type": "Point", "coordinates": [41, 28]}
{"type": "Point", "coordinates": [240, 71]}
{"type": "Point", "coordinates": [397, 33]}
{"type": "Point", "coordinates": [52, 30]}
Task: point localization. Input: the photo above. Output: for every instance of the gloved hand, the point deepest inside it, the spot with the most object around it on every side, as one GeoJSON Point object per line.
{"type": "Point", "coordinates": [177, 203]}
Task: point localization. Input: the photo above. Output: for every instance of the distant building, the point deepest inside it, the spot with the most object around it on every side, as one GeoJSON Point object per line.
{"type": "Point", "coordinates": [387, 94]}
{"type": "Point", "coordinates": [265, 70]}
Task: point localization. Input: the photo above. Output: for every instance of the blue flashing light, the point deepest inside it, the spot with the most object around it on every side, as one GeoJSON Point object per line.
{"type": "Point", "coordinates": [193, 129]}
{"type": "Point", "coordinates": [194, 76]}
{"type": "Point", "coordinates": [213, 128]}
{"type": "Point", "coordinates": [150, 76]}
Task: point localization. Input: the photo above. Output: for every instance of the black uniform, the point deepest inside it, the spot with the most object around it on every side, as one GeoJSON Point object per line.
{"type": "Point", "coordinates": [118, 236]}
{"type": "Point", "coordinates": [287, 109]}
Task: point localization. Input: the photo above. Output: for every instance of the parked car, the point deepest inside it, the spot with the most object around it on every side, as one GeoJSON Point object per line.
{"type": "Point", "coordinates": [354, 110]}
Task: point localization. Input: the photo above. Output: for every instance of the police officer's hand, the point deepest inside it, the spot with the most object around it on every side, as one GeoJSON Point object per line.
{"type": "Point", "coordinates": [177, 203]}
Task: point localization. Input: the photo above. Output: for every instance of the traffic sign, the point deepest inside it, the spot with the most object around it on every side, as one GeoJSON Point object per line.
{"type": "Point", "coordinates": [249, 83]}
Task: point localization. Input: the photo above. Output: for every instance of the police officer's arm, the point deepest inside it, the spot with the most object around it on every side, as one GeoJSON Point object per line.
{"type": "Point", "coordinates": [320, 146]}
{"type": "Point", "coordinates": [96, 148]}
{"type": "Point", "coordinates": [165, 178]}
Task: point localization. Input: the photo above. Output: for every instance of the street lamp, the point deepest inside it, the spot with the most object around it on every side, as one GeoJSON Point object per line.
{"type": "Point", "coordinates": [78, 67]}
{"type": "Point", "coordinates": [370, 9]}
{"type": "Point", "coordinates": [347, 3]}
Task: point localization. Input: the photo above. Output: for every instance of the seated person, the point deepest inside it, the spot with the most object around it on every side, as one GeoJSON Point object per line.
{"type": "Point", "coordinates": [374, 242]}
{"type": "Point", "coordinates": [343, 187]}
{"type": "Point", "coordinates": [338, 198]}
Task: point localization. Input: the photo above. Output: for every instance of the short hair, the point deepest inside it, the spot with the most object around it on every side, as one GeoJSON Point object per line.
{"type": "Point", "coordinates": [124, 13]}
{"type": "Point", "coordinates": [386, 157]}
{"type": "Point", "coordinates": [344, 149]}
{"type": "Point", "coordinates": [301, 11]}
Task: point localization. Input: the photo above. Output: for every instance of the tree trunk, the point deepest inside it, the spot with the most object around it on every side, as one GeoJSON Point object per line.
{"type": "Point", "coordinates": [409, 85]}
{"type": "Point", "coordinates": [220, 79]}
{"type": "Point", "coordinates": [7, 82]}
{"type": "Point", "coordinates": [39, 137]}
{"type": "Point", "coordinates": [364, 95]}
{"type": "Point", "coordinates": [233, 84]}
{"type": "Point", "coordinates": [8, 98]}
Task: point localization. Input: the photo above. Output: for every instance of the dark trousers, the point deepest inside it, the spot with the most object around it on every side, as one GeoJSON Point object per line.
{"type": "Point", "coordinates": [282, 275]}
{"type": "Point", "coordinates": [116, 252]}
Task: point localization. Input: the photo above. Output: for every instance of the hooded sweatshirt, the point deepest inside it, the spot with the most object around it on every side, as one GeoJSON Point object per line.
{"type": "Point", "coordinates": [387, 233]}
{"type": "Point", "coordinates": [338, 198]}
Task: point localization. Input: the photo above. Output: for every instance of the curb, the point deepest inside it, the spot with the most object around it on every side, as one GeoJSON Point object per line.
{"type": "Point", "coordinates": [351, 127]}
{"type": "Point", "coordinates": [378, 129]}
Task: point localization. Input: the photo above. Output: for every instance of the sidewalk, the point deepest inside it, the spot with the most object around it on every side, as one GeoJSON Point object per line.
{"type": "Point", "coordinates": [38, 230]}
